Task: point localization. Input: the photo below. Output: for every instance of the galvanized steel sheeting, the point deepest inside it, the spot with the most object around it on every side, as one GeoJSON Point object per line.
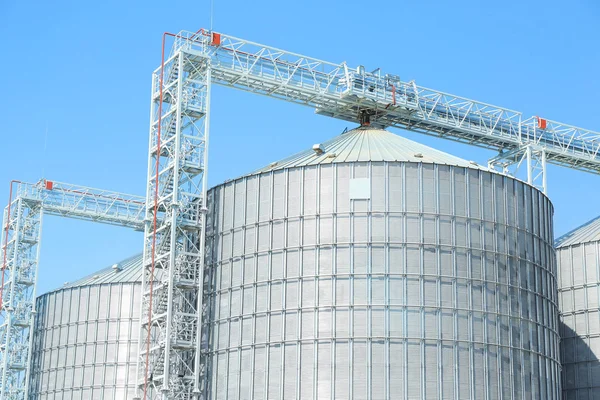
{"type": "Point", "coordinates": [442, 285]}
{"type": "Point", "coordinates": [86, 338]}
{"type": "Point", "coordinates": [129, 270]}
{"type": "Point", "coordinates": [588, 232]}
{"type": "Point", "coordinates": [380, 269]}
{"type": "Point", "coordinates": [369, 144]}
{"type": "Point", "coordinates": [579, 290]}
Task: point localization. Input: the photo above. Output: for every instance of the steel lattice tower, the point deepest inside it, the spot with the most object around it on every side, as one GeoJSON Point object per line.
{"type": "Point", "coordinates": [21, 235]}
{"type": "Point", "coordinates": [21, 244]}
{"type": "Point", "coordinates": [169, 365]}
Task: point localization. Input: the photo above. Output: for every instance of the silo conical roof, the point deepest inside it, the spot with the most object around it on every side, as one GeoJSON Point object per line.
{"type": "Point", "coordinates": [128, 270]}
{"type": "Point", "coordinates": [588, 232]}
{"type": "Point", "coordinates": [369, 144]}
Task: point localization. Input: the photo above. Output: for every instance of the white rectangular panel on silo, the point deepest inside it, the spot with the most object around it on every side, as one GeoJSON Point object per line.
{"type": "Point", "coordinates": [360, 188]}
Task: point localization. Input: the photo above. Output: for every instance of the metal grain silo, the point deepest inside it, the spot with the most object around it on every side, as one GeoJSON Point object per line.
{"type": "Point", "coordinates": [372, 267]}
{"type": "Point", "coordinates": [86, 336]}
{"type": "Point", "coordinates": [578, 254]}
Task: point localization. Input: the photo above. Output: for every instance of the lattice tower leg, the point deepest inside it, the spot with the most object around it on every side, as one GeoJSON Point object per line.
{"type": "Point", "coordinates": [21, 242]}
{"type": "Point", "coordinates": [169, 363]}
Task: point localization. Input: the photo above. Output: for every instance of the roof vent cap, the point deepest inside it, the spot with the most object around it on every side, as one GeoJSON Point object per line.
{"type": "Point", "coordinates": [95, 277]}
{"type": "Point", "coordinates": [117, 268]}
{"type": "Point", "coordinates": [65, 283]}
{"type": "Point", "coordinates": [318, 149]}
{"type": "Point", "coordinates": [473, 163]}
{"type": "Point", "coordinates": [331, 155]}
{"type": "Point", "coordinates": [273, 164]}
{"type": "Point", "coordinates": [419, 155]}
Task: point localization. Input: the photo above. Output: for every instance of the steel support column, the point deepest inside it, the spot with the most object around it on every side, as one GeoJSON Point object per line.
{"type": "Point", "coordinates": [169, 363]}
{"type": "Point", "coordinates": [535, 160]}
{"type": "Point", "coordinates": [20, 254]}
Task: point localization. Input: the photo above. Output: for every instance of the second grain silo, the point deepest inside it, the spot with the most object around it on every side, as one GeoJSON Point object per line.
{"type": "Point", "coordinates": [86, 337]}
{"type": "Point", "coordinates": [372, 267]}
{"type": "Point", "coordinates": [578, 254]}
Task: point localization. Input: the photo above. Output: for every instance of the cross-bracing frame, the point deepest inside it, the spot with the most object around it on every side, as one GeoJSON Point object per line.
{"type": "Point", "coordinates": [21, 236]}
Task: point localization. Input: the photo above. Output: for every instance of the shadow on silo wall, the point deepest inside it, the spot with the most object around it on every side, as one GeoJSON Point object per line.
{"type": "Point", "coordinates": [580, 357]}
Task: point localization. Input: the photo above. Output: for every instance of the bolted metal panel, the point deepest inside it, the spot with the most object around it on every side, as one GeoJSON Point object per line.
{"type": "Point", "coordinates": [87, 338]}
{"type": "Point", "coordinates": [579, 291]}
{"type": "Point", "coordinates": [441, 285]}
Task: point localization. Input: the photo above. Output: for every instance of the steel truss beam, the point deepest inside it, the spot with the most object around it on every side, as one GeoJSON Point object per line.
{"type": "Point", "coordinates": [339, 91]}
{"type": "Point", "coordinates": [170, 364]}
{"type": "Point", "coordinates": [21, 235]}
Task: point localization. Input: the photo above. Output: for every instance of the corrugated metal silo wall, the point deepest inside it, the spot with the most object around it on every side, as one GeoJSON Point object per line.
{"type": "Point", "coordinates": [442, 285]}
{"type": "Point", "coordinates": [85, 343]}
{"type": "Point", "coordinates": [579, 288]}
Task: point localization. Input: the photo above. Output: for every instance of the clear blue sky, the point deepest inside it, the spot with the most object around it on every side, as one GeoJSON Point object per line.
{"type": "Point", "coordinates": [82, 70]}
